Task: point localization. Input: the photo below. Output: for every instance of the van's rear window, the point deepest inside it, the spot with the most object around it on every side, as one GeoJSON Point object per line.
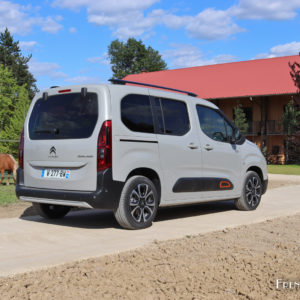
{"type": "Point", "coordinates": [68, 116]}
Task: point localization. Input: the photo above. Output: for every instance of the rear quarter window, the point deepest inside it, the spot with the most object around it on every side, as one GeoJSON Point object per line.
{"type": "Point", "coordinates": [67, 116]}
{"type": "Point", "coordinates": [136, 113]}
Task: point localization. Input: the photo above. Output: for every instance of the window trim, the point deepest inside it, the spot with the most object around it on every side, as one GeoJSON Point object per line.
{"type": "Point", "coordinates": [155, 116]}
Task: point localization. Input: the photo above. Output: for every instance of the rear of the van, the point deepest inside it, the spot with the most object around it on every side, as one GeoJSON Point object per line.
{"type": "Point", "coordinates": [66, 149]}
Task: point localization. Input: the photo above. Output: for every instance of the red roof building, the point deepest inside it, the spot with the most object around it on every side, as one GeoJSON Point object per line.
{"type": "Point", "coordinates": [262, 87]}
{"type": "Point", "coordinates": [260, 77]}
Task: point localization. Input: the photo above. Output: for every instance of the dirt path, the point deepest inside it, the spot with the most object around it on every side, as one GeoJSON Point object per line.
{"type": "Point", "coordinates": [239, 263]}
{"type": "Point", "coordinates": [15, 210]}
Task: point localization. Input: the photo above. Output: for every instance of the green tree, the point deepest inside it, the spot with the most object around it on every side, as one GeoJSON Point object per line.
{"type": "Point", "coordinates": [290, 123]}
{"type": "Point", "coordinates": [240, 119]}
{"type": "Point", "coordinates": [11, 57]}
{"type": "Point", "coordinates": [14, 103]}
{"type": "Point", "coordinates": [8, 89]}
{"type": "Point", "coordinates": [133, 57]}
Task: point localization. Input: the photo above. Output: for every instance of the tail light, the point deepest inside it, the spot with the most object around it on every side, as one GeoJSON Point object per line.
{"type": "Point", "coordinates": [21, 150]}
{"type": "Point", "coordinates": [104, 149]}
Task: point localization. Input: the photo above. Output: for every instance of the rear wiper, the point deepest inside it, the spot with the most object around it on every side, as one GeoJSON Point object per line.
{"type": "Point", "coordinates": [54, 131]}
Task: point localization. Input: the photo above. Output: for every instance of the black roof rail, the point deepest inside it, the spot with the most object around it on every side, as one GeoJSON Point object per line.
{"type": "Point", "coordinates": [121, 81]}
{"type": "Point", "coordinates": [54, 86]}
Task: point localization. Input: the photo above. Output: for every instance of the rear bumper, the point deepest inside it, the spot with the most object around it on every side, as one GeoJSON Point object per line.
{"type": "Point", "coordinates": [106, 196]}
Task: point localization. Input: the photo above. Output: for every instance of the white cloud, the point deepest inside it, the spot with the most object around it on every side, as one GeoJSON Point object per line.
{"type": "Point", "coordinates": [18, 20]}
{"type": "Point", "coordinates": [82, 80]}
{"type": "Point", "coordinates": [266, 9]}
{"type": "Point", "coordinates": [53, 70]}
{"type": "Point", "coordinates": [127, 18]}
{"type": "Point", "coordinates": [103, 60]}
{"type": "Point", "coordinates": [212, 24]}
{"type": "Point", "coordinates": [50, 25]}
{"type": "Point", "coordinates": [209, 24]}
{"type": "Point", "coordinates": [28, 45]}
{"type": "Point", "coordinates": [122, 24]}
{"type": "Point", "coordinates": [106, 6]}
{"type": "Point", "coordinates": [292, 48]}
{"type": "Point", "coordinates": [72, 30]}
{"type": "Point", "coordinates": [184, 56]}
{"type": "Point", "coordinates": [14, 17]}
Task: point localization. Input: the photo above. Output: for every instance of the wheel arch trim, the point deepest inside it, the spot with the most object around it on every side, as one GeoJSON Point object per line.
{"type": "Point", "coordinates": [149, 173]}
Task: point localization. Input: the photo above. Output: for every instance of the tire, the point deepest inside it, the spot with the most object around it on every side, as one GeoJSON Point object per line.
{"type": "Point", "coordinates": [50, 211]}
{"type": "Point", "coordinates": [138, 203]}
{"type": "Point", "coordinates": [251, 194]}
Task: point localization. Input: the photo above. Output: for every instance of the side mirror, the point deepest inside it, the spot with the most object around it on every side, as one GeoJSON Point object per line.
{"type": "Point", "coordinates": [235, 135]}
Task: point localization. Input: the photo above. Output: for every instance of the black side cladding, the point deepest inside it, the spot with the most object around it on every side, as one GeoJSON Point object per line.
{"type": "Point", "coordinates": [202, 184]}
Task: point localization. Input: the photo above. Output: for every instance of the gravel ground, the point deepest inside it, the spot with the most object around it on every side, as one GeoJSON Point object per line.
{"type": "Point", "coordinates": [239, 263]}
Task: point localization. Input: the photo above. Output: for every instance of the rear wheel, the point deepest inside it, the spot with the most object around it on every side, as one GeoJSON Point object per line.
{"type": "Point", "coordinates": [138, 203]}
{"type": "Point", "coordinates": [251, 193]}
{"type": "Point", "coordinates": [50, 211]}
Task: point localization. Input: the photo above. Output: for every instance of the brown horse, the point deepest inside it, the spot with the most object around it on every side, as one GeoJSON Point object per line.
{"type": "Point", "coordinates": [8, 163]}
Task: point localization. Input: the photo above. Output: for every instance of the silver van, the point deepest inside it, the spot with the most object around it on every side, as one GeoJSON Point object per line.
{"type": "Point", "coordinates": [132, 149]}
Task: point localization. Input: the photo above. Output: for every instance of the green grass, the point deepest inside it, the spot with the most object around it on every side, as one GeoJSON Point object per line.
{"type": "Point", "coordinates": [7, 195]}
{"type": "Point", "coordinates": [284, 169]}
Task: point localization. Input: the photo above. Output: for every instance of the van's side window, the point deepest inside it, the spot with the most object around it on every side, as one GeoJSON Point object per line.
{"type": "Point", "coordinates": [213, 124]}
{"type": "Point", "coordinates": [175, 118]}
{"type": "Point", "coordinates": [136, 113]}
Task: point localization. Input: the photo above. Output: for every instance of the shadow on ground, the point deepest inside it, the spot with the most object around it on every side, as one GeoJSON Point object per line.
{"type": "Point", "coordinates": [97, 218]}
{"type": "Point", "coordinates": [29, 211]}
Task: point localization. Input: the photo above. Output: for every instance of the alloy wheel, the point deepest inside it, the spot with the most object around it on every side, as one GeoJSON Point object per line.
{"type": "Point", "coordinates": [253, 191]}
{"type": "Point", "coordinates": [142, 203]}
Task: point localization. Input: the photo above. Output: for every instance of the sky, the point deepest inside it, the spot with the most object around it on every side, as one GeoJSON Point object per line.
{"type": "Point", "coordinates": [68, 39]}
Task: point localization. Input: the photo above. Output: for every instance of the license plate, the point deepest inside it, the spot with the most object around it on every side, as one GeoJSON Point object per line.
{"type": "Point", "coordinates": [55, 173]}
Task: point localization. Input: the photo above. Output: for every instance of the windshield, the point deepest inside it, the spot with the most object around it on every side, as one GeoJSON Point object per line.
{"type": "Point", "coordinates": [68, 116]}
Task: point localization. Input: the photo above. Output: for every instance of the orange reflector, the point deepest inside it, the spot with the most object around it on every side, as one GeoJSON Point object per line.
{"type": "Point", "coordinates": [224, 184]}
{"type": "Point", "coordinates": [64, 91]}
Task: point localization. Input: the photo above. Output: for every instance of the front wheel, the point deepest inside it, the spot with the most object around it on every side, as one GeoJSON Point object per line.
{"type": "Point", "coordinates": [251, 194]}
{"type": "Point", "coordinates": [138, 203]}
{"type": "Point", "coordinates": [50, 211]}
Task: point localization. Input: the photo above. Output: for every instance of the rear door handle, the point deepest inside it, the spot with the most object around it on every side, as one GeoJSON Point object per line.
{"type": "Point", "coordinates": [192, 146]}
{"type": "Point", "coordinates": [208, 147]}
